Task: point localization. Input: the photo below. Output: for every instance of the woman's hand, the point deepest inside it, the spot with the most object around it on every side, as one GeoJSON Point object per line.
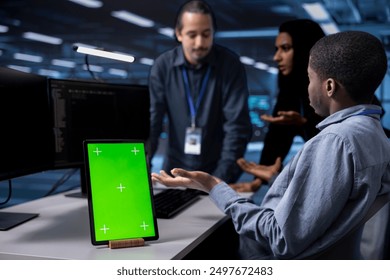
{"type": "Point", "coordinates": [285, 118]}
{"type": "Point", "coordinates": [264, 172]}
{"type": "Point", "coordinates": [247, 186]}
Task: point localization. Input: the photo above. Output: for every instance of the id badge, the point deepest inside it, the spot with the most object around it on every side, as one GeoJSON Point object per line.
{"type": "Point", "coordinates": [193, 138]}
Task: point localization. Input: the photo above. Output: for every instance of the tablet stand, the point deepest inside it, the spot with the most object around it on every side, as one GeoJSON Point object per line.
{"type": "Point", "coordinates": [115, 244]}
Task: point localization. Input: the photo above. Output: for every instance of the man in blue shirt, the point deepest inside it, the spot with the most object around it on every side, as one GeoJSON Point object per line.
{"type": "Point", "coordinates": [329, 185]}
{"type": "Point", "coordinates": [202, 89]}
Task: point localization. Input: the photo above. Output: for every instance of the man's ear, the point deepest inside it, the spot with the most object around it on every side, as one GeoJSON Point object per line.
{"type": "Point", "coordinates": [178, 36]}
{"type": "Point", "coordinates": [331, 86]}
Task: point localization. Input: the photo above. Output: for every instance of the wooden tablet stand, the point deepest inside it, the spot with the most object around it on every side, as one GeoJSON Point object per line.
{"type": "Point", "coordinates": [116, 244]}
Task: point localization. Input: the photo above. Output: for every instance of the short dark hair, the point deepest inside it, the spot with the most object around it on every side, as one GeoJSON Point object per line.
{"type": "Point", "coordinates": [194, 6]}
{"type": "Point", "coordinates": [355, 59]}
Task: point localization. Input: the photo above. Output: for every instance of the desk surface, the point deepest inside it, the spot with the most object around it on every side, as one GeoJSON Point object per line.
{"type": "Point", "coordinates": [61, 231]}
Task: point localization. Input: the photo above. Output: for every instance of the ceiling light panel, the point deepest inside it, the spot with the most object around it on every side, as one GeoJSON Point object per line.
{"type": "Point", "coordinates": [42, 38]}
{"type": "Point", "coordinates": [28, 57]}
{"type": "Point", "coordinates": [316, 11]}
{"type": "Point", "coordinates": [88, 3]}
{"type": "Point", "coordinates": [133, 18]}
{"type": "Point", "coordinates": [63, 63]}
{"type": "Point", "coordinates": [3, 29]}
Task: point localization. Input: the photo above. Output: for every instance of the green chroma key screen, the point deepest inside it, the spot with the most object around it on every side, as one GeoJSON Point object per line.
{"type": "Point", "coordinates": [119, 192]}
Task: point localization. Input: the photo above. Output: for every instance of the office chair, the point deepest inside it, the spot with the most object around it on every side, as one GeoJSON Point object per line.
{"type": "Point", "coordinates": [348, 247]}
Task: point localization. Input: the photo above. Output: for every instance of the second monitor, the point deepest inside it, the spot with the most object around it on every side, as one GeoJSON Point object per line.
{"type": "Point", "coordinates": [95, 110]}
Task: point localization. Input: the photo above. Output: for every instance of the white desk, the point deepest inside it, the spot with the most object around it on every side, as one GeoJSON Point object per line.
{"type": "Point", "coordinates": [61, 231]}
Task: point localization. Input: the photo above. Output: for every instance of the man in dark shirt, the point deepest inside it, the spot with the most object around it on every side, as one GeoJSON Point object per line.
{"type": "Point", "coordinates": [202, 89]}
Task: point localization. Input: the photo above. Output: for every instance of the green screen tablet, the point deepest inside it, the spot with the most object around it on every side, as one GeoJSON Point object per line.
{"type": "Point", "coordinates": [120, 195]}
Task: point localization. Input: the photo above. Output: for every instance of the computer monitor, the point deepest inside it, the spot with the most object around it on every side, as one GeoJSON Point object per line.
{"type": "Point", "coordinates": [27, 139]}
{"type": "Point", "coordinates": [95, 110]}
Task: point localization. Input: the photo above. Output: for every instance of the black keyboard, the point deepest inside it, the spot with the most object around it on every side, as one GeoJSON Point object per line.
{"type": "Point", "coordinates": [170, 202]}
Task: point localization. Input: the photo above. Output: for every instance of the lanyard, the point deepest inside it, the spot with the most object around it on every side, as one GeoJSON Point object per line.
{"type": "Point", "coordinates": [193, 108]}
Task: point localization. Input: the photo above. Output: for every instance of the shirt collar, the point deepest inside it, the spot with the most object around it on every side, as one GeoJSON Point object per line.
{"type": "Point", "coordinates": [347, 113]}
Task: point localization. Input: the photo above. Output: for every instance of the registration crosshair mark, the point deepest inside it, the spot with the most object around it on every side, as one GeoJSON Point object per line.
{"type": "Point", "coordinates": [135, 151]}
{"type": "Point", "coordinates": [121, 187]}
{"type": "Point", "coordinates": [144, 225]}
{"type": "Point", "coordinates": [97, 151]}
{"type": "Point", "coordinates": [104, 229]}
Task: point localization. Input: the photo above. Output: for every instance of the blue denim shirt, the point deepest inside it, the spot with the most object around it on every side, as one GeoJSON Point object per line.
{"type": "Point", "coordinates": [324, 191]}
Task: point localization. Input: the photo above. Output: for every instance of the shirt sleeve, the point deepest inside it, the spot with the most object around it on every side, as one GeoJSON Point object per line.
{"type": "Point", "coordinates": [303, 202]}
{"type": "Point", "coordinates": [237, 126]}
{"type": "Point", "coordinates": [157, 104]}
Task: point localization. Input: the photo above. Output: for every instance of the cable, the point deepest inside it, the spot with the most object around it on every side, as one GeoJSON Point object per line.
{"type": "Point", "coordinates": [9, 193]}
{"type": "Point", "coordinates": [61, 181]}
{"type": "Point", "coordinates": [89, 69]}
{"type": "Point", "coordinates": [72, 187]}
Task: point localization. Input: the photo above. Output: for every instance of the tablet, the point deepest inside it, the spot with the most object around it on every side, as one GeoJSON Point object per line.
{"type": "Point", "coordinates": [120, 194]}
